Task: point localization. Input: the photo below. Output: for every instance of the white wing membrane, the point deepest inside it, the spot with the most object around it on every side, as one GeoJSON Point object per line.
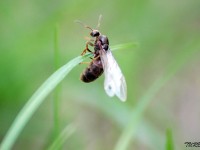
{"type": "Point", "coordinates": [114, 83]}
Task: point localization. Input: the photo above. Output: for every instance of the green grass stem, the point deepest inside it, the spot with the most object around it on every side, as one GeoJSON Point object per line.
{"type": "Point", "coordinates": [39, 96]}
{"type": "Point", "coordinates": [62, 137]}
{"type": "Point", "coordinates": [57, 93]}
{"type": "Point", "coordinates": [137, 113]}
{"type": "Point", "coordinates": [169, 140]}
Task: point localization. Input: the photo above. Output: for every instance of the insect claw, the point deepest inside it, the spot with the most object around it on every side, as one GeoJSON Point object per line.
{"type": "Point", "coordinates": [85, 50]}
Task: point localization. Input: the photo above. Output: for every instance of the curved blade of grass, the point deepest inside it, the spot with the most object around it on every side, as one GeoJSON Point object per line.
{"type": "Point", "coordinates": [136, 115]}
{"type": "Point", "coordinates": [124, 46]}
{"type": "Point", "coordinates": [64, 135]}
{"type": "Point", "coordinates": [39, 96]}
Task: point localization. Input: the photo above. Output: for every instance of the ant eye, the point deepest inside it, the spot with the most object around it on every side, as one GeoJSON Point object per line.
{"type": "Point", "coordinates": [94, 33]}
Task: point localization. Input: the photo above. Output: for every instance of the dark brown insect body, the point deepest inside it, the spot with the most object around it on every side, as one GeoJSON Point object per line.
{"type": "Point", "coordinates": [93, 71]}
{"type": "Point", "coordinates": [95, 68]}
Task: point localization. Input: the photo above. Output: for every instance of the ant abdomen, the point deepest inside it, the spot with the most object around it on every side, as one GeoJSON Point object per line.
{"type": "Point", "coordinates": [93, 71]}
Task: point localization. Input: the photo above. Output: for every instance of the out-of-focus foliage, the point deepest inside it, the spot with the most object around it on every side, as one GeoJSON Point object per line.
{"type": "Point", "coordinates": [169, 36]}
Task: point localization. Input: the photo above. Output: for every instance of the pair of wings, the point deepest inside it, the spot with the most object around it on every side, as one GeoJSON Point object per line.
{"type": "Point", "coordinates": [114, 83]}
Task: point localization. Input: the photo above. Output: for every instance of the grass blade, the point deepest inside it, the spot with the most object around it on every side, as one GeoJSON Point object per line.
{"type": "Point", "coordinates": [124, 46]}
{"type": "Point", "coordinates": [39, 96]}
{"type": "Point", "coordinates": [169, 140]}
{"type": "Point", "coordinates": [64, 135]}
{"type": "Point", "coordinates": [57, 92]}
{"type": "Point", "coordinates": [130, 130]}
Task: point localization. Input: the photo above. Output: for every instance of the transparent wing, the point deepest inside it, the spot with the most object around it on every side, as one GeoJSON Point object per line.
{"type": "Point", "coordinates": [114, 83]}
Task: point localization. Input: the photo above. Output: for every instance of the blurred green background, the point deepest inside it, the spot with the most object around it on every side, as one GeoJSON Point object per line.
{"type": "Point", "coordinates": [163, 71]}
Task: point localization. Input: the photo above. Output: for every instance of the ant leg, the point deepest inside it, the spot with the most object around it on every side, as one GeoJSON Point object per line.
{"type": "Point", "coordinates": [90, 58]}
{"type": "Point", "coordinates": [86, 48]}
{"type": "Point", "coordinates": [88, 38]}
{"type": "Point", "coordinates": [96, 58]}
{"type": "Point", "coordinates": [90, 62]}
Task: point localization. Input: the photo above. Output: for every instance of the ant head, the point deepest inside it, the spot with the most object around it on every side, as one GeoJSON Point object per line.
{"type": "Point", "coordinates": [95, 33]}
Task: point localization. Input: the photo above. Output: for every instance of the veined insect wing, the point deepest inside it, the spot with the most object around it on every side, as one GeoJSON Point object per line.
{"type": "Point", "coordinates": [114, 83]}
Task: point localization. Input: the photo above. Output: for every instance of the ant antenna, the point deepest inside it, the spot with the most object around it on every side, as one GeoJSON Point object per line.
{"type": "Point", "coordinates": [100, 18]}
{"type": "Point", "coordinates": [84, 25]}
